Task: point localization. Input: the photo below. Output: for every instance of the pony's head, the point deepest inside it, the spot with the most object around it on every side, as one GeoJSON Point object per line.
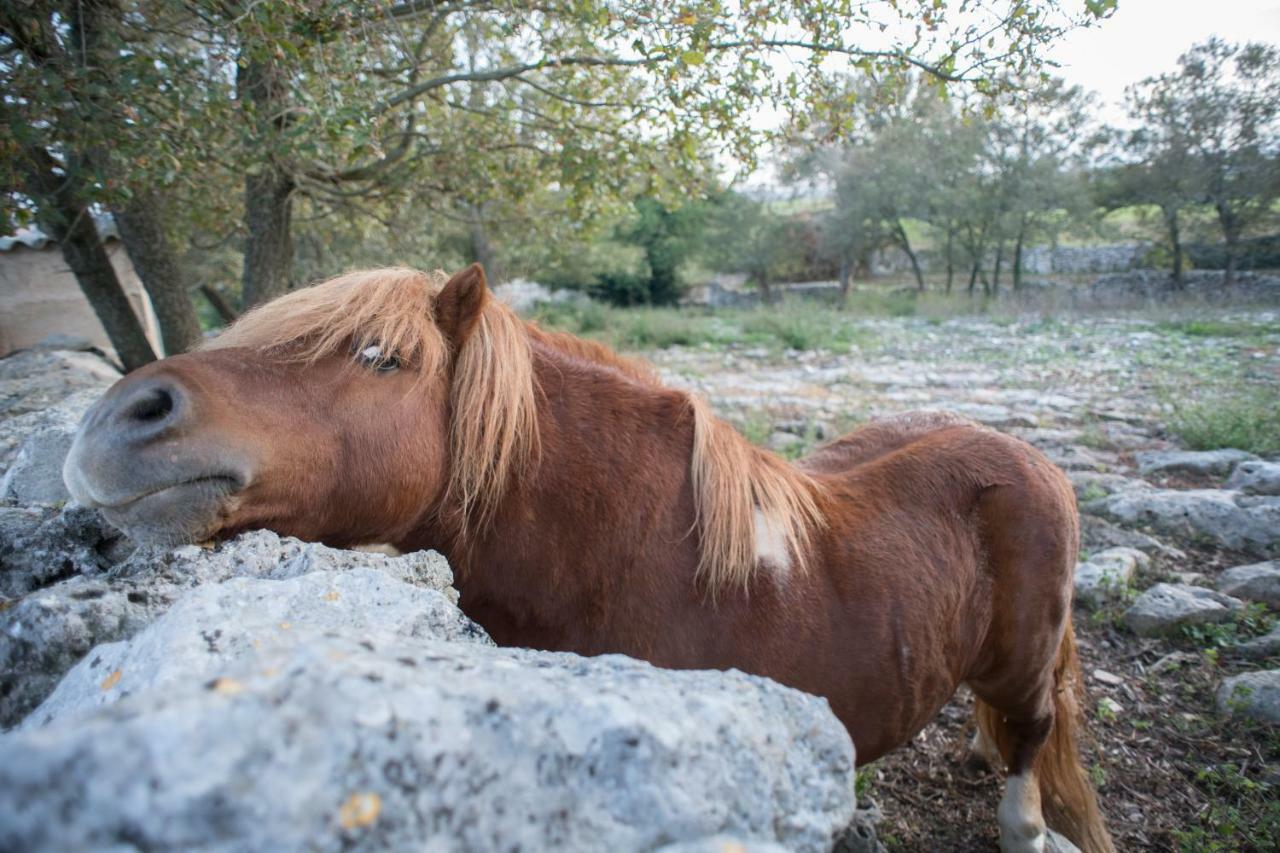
{"type": "Point", "coordinates": [348, 412]}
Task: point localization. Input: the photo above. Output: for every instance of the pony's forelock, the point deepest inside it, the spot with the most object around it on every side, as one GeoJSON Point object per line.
{"type": "Point", "coordinates": [392, 309]}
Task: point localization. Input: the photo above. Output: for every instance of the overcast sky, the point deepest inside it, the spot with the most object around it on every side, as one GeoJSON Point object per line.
{"type": "Point", "coordinates": [1145, 37]}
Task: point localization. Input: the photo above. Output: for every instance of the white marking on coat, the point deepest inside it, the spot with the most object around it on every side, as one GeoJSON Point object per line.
{"type": "Point", "coordinates": [1021, 821]}
{"type": "Point", "coordinates": [771, 545]}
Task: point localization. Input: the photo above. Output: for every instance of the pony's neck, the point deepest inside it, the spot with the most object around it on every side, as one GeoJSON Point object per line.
{"type": "Point", "coordinates": [604, 518]}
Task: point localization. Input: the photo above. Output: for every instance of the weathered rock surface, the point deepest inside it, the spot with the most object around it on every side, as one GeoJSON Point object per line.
{"type": "Point", "coordinates": [1210, 462]}
{"type": "Point", "coordinates": [33, 447]}
{"type": "Point", "coordinates": [1256, 582]}
{"type": "Point", "coordinates": [343, 734]}
{"type": "Point", "coordinates": [39, 546]}
{"type": "Point", "coordinates": [1256, 478]}
{"type": "Point", "coordinates": [46, 632]}
{"type": "Point", "coordinates": [213, 625]}
{"type": "Point", "coordinates": [1235, 520]}
{"type": "Point", "coordinates": [1099, 534]}
{"type": "Point", "coordinates": [1105, 575]}
{"type": "Point", "coordinates": [1268, 645]}
{"type": "Point", "coordinates": [1255, 695]}
{"type": "Point", "coordinates": [33, 380]}
{"type": "Point", "coordinates": [1165, 607]}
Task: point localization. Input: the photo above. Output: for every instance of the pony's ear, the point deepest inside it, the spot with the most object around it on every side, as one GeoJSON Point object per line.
{"type": "Point", "coordinates": [459, 304]}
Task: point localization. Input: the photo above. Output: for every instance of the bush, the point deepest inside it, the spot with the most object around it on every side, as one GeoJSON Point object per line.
{"type": "Point", "coordinates": [1243, 420]}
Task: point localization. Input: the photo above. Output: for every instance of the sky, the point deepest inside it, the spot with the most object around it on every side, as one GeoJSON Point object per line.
{"type": "Point", "coordinates": [1145, 37]}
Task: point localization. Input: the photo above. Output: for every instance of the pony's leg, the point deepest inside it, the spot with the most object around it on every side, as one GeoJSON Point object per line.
{"type": "Point", "coordinates": [1022, 828]}
{"type": "Point", "coordinates": [1019, 738]}
{"type": "Point", "coordinates": [1029, 536]}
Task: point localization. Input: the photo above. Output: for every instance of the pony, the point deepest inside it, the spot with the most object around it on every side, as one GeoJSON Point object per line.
{"type": "Point", "coordinates": [587, 508]}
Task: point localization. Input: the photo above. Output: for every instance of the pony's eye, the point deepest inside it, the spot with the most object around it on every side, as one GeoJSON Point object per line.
{"type": "Point", "coordinates": [373, 358]}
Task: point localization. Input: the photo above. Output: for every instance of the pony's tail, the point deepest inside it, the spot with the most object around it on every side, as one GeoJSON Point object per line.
{"type": "Point", "coordinates": [1067, 798]}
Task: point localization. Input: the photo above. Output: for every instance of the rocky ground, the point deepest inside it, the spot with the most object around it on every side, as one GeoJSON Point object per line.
{"type": "Point", "coordinates": [1178, 585]}
{"type": "Point", "coordinates": [279, 694]}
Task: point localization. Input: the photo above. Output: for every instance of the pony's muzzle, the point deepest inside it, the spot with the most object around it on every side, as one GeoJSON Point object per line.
{"type": "Point", "coordinates": [139, 456]}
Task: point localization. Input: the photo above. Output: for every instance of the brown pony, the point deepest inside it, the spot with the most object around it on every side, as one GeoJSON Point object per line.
{"type": "Point", "coordinates": [587, 508]}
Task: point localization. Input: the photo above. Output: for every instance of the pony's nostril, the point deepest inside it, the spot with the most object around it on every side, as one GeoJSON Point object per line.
{"type": "Point", "coordinates": [153, 406]}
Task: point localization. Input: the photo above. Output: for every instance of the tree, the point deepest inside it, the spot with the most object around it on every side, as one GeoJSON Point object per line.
{"type": "Point", "coordinates": [1211, 133]}
{"type": "Point", "coordinates": [62, 186]}
{"type": "Point", "coordinates": [67, 70]}
{"type": "Point", "coordinates": [335, 109]}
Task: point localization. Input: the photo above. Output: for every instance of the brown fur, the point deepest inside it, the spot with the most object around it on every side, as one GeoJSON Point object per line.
{"type": "Point", "coordinates": [587, 508]}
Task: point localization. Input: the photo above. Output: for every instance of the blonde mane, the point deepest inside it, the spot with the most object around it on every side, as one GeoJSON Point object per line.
{"type": "Point", "coordinates": [494, 433]}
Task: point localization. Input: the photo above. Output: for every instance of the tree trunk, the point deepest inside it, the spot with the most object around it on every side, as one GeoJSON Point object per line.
{"type": "Point", "coordinates": [268, 249]}
{"type": "Point", "coordinates": [142, 230]}
{"type": "Point", "coordinates": [1175, 241]}
{"type": "Point", "coordinates": [1231, 243]}
{"type": "Point", "coordinates": [219, 303]}
{"type": "Point", "coordinates": [846, 279]}
{"type": "Point", "coordinates": [268, 193]}
{"type": "Point", "coordinates": [762, 280]}
{"type": "Point", "coordinates": [995, 273]}
{"type": "Point", "coordinates": [64, 215]}
{"type": "Point", "coordinates": [482, 251]}
{"type": "Point", "coordinates": [951, 259]}
{"type": "Point", "coordinates": [1017, 254]}
{"type": "Point", "coordinates": [911, 255]}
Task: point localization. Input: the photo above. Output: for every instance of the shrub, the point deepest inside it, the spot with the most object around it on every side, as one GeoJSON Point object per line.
{"type": "Point", "coordinates": [1247, 420]}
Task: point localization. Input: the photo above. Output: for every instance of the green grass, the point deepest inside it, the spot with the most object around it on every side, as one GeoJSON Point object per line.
{"type": "Point", "coordinates": [1246, 419]}
{"type": "Point", "coordinates": [1213, 328]}
{"type": "Point", "coordinates": [1242, 813]}
{"type": "Point", "coordinates": [792, 324]}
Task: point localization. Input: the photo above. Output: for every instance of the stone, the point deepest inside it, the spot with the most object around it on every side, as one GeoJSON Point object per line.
{"type": "Point", "coordinates": [34, 380]}
{"type": "Point", "coordinates": [325, 738]}
{"type": "Point", "coordinates": [40, 546]}
{"type": "Point", "coordinates": [45, 633]}
{"type": "Point", "coordinates": [1256, 477]}
{"type": "Point", "coordinates": [33, 447]}
{"type": "Point", "coordinates": [1206, 462]}
{"type": "Point", "coordinates": [1090, 485]}
{"type": "Point", "coordinates": [1228, 518]}
{"type": "Point", "coordinates": [35, 475]}
{"type": "Point", "coordinates": [1106, 575]}
{"type": "Point", "coordinates": [1253, 695]}
{"type": "Point", "coordinates": [1268, 645]}
{"type": "Point", "coordinates": [1110, 706]}
{"type": "Point", "coordinates": [1099, 534]}
{"type": "Point", "coordinates": [1108, 678]}
{"type": "Point", "coordinates": [1256, 582]}
{"type": "Point", "coordinates": [1166, 607]}
{"type": "Point", "coordinates": [721, 844]}
{"type": "Point", "coordinates": [1076, 458]}
{"type": "Point", "coordinates": [214, 625]}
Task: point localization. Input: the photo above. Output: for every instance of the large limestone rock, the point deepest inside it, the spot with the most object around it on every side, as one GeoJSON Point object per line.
{"type": "Point", "coordinates": [1256, 582]}
{"type": "Point", "coordinates": [40, 546]}
{"type": "Point", "coordinates": [45, 633]}
{"type": "Point", "coordinates": [1208, 462]}
{"type": "Point", "coordinates": [1228, 518]}
{"type": "Point", "coordinates": [216, 624]}
{"type": "Point", "coordinates": [219, 728]}
{"type": "Point", "coordinates": [1255, 695]}
{"type": "Point", "coordinates": [1256, 478]}
{"type": "Point", "coordinates": [1166, 607]}
{"type": "Point", "coordinates": [34, 380]}
{"type": "Point", "coordinates": [1105, 576]}
{"type": "Point", "coordinates": [33, 448]}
